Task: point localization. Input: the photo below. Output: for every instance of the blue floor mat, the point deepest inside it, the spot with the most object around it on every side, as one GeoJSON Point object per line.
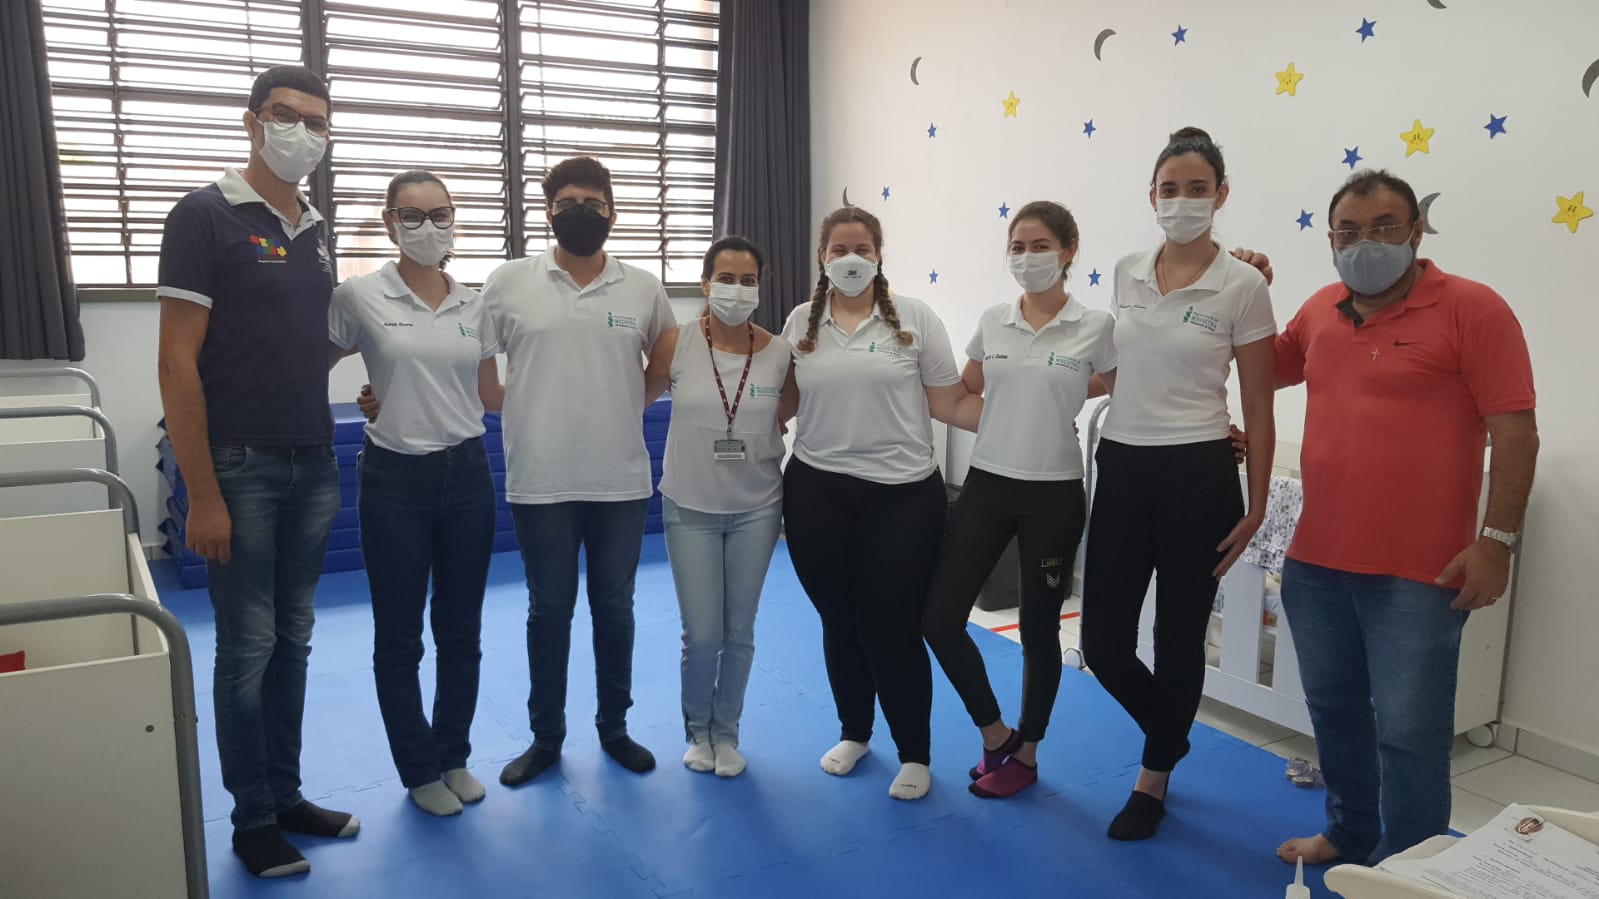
{"type": "Point", "coordinates": [784, 829]}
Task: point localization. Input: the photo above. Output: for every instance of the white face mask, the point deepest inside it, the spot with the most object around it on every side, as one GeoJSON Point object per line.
{"type": "Point", "coordinates": [1036, 272]}
{"type": "Point", "coordinates": [290, 151]}
{"type": "Point", "coordinates": [426, 245]}
{"type": "Point", "coordinates": [734, 303]}
{"type": "Point", "coordinates": [1185, 219]}
{"type": "Point", "coordinates": [851, 274]}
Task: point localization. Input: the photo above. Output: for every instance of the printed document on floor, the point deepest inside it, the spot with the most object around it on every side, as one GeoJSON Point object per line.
{"type": "Point", "coordinates": [1517, 855]}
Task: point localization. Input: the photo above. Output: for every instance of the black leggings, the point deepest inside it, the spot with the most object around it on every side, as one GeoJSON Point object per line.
{"type": "Point", "coordinates": [1046, 518]}
{"type": "Point", "coordinates": [1161, 509]}
{"type": "Point", "coordinates": [864, 553]}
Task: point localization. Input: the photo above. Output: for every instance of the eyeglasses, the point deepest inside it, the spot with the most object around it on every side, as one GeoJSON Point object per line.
{"type": "Point", "coordinates": [1396, 233]}
{"type": "Point", "coordinates": [283, 115]}
{"type": "Point", "coordinates": [411, 218]}
{"type": "Point", "coordinates": [567, 204]}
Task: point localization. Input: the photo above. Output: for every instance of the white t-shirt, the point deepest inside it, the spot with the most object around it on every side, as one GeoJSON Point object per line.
{"type": "Point", "coordinates": [423, 362]}
{"type": "Point", "coordinates": [691, 475]}
{"type": "Point", "coordinates": [574, 391]}
{"type": "Point", "coordinates": [1034, 385]}
{"type": "Point", "coordinates": [862, 409]}
{"type": "Point", "coordinates": [1176, 351]}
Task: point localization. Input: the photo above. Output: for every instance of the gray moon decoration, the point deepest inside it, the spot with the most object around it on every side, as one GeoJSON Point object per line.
{"type": "Point", "coordinates": [1426, 214]}
{"type": "Point", "coordinates": [846, 198]}
{"type": "Point", "coordinates": [1589, 77]}
{"type": "Point", "coordinates": [914, 63]}
{"type": "Point", "coordinates": [1437, 4]}
{"type": "Point", "coordinates": [1100, 41]}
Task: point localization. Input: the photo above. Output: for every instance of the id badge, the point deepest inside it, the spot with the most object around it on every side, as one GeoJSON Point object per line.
{"type": "Point", "coordinates": [729, 450]}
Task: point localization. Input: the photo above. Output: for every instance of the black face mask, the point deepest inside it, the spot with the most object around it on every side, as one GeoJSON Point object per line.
{"type": "Point", "coordinates": [580, 230]}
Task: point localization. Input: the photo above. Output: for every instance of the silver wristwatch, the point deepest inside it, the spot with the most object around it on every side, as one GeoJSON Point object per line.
{"type": "Point", "coordinates": [1508, 538]}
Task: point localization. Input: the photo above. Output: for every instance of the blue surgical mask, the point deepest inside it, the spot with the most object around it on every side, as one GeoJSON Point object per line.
{"type": "Point", "coordinates": [1370, 267]}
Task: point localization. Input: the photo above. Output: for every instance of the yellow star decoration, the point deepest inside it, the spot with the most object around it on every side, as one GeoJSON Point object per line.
{"type": "Point", "coordinates": [1288, 82]}
{"type": "Point", "coordinates": [1572, 211]}
{"type": "Point", "coordinates": [1416, 139]}
{"type": "Point", "coordinates": [1011, 102]}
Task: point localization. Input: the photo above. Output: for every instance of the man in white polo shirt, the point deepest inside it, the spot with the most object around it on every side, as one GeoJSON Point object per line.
{"type": "Point", "coordinates": [576, 325]}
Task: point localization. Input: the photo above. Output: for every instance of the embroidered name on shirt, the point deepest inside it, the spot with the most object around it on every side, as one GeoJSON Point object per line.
{"type": "Point", "coordinates": [885, 348]}
{"type": "Point", "coordinates": [995, 356]}
{"type": "Point", "coordinates": [767, 392]}
{"type": "Point", "coordinates": [1201, 319]}
{"type": "Point", "coordinates": [1064, 361]}
{"type": "Point", "coordinates": [398, 325]}
{"type": "Point", "coordinates": [267, 249]}
{"type": "Point", "coordinates": [614, 320]}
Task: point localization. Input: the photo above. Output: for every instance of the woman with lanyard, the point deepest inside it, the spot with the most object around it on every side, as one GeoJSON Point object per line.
{"type": "Point", "coordinates": [426, 498]}
{"type": "Point", "coordinates": [722, 491]}
{"type": "Point", "coordinates": [864, 503]}
{"type": "Point", "coordinates": [1035, 356]}
{"type": "Point", "coordinates": [1166, 499]}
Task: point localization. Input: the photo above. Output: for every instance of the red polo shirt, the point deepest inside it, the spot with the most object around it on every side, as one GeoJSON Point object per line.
{"type": "Point", "coordinates": [1394, 434]}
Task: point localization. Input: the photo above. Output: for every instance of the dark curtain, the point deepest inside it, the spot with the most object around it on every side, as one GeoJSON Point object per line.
{"type": "Point", "coordinates": [38, 307]}
{"type": "Point", "coordinates": [763, 145]}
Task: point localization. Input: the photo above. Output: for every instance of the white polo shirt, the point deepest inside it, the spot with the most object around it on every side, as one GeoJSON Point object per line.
{"type": "Point", "coordinates": [862, 409]}
{"type": "Point", "coordinates": [574, 383]}
{"type": "Point", "coordinates": [1034, 385]}
{"type": "Point", "coordinates": [423, 362]}
{"type": "Point", "coordinates": [1176, 351]}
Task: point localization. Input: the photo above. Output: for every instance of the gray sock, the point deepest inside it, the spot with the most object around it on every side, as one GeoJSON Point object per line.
{"type": "Point", "coordinates": [464, 785]}
{"type": "Point", "coordinates": [436, 799]}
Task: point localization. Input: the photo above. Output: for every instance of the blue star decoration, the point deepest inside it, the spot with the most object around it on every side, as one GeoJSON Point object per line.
{"type": "Point", "coordinates": [1093, 278]}
{"type": "Point", "coordinates": [1088, 128]}
{"type": "Point", "coordinates": [1180, 35]}
{"type": "Point", "coordinates": [1367, 29]}
{"type": "Point", "coordinates": [1004, 211]}
{"type": "Point", "coordinates": [1304, 220]}
{"type": "Point", "coordinates": [932, 276]}
{"type": "Point", "coordinates": [1351, 157]}
{"type": "Point", "coordinates": [885, 193]}
{"type": "Point", "coordinates": [932, 130]}
{"type": "Point", "coordinates": [1496, 125]}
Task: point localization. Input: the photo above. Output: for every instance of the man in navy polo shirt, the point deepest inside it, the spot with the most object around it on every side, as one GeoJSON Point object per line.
{"type": "Point", "coordinates": [245, 281]}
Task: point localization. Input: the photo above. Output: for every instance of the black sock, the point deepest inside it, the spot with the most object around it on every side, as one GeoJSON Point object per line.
{"type": "Point", "coordinates": [629, 754]}
{"type": "Point", "coordinates": [315, 821]}
{"type": "Point", "coordinates": [528, 765]}
{"type": "Point", "coordinates": [266, 853]}
{"type": "Point", "coordinates": [1138, 819]}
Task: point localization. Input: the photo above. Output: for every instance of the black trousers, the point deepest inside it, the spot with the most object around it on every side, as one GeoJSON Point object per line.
{"type": "Point", "coordinates": [1160, 509]}
{"type": "Point", "coordinates": [864, 552]}
{"type": "Point", "coordinates": [1046, 518]}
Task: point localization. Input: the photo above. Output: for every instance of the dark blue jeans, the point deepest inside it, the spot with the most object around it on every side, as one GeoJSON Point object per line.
{"type": "Point", "coordinates": [610, 535]}
{"type": "Point", "coordinates": [282, 503]}
{"type": "Point", "coordinates": [427, 515]}
{"type": "Point", "coordinates": [1378, 658]}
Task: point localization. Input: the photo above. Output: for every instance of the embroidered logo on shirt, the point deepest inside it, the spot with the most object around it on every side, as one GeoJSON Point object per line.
{"type": "Point", "coordinates": [1201, 319]}
{"type": "Point", "coordinates": [768, 392]}
{"type": "Point", "coordinates": [267, 249]}
{"type": "Point", "coordinates": [470, 332]}
{"type": "Point", "coordinates": [1406, 342]}
{"type": "Point", "coordinates": [885, 349]}
{"type": "Point", "coordinates": [323, 254]}
{"type": "Point", "coordinates": [616, 320]}
{"type": "Point", "coordinates": [1064, 361]}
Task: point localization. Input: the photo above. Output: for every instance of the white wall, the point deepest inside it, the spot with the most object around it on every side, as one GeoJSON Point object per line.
{"type": "Point", "coordinates": [1451, 68]}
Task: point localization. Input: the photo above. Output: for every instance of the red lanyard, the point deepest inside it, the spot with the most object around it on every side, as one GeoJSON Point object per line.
{"type": "Point", "coordinates": [739, 396]}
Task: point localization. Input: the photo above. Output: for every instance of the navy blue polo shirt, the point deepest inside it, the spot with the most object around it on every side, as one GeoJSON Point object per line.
{"type": "Point", "coordinates": [264, 362]}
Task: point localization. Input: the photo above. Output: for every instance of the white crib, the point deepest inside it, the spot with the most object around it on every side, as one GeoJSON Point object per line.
{"type": "Point", "coordinates": [1252, 665]}
{"type": "Point", "coordinates": [53, 431]}
{"type": "Point", "coordinates": [100, 780]}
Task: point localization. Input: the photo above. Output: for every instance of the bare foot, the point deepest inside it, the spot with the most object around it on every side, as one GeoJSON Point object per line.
{"type": "Point", "coordinates": [1314, 850]}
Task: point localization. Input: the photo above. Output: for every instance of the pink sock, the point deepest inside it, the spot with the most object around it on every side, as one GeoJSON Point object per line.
{"type": "Point", "coordinates": [1008, 780]}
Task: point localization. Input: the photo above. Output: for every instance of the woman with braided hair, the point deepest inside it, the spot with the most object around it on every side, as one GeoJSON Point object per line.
{"type": "Point", "coordinates": [864, 502]}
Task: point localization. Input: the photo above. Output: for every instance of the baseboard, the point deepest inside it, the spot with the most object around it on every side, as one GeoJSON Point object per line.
{"type": "Point", "coordinates": [1555, 754]}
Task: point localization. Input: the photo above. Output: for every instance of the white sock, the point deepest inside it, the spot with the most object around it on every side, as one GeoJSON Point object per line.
{"type": "Point", "coordinates": [913, 782]}
{"type": "Point", "coordinates": [436, 799]}
{"type": "Point", "coordinates": [700, 757]}
{"type": "Point", "coordinates": [461, 782]}
{"type": "Point", "coordinates": [729, 763]}
{"type": "Point", "coordinates": [841, 759]}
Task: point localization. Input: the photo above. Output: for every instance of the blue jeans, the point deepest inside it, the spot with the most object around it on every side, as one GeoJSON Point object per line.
{"type": "Point", "coordinates": [282, 503]}
{"type": "Point", "coordinates": [719, 566]}
{"type": "Point", "coordinates": [610, 535]}
{"type": "Point", "coordinates": [1378, 657]}
{"type": "Point", "coordinates": [421, 515]}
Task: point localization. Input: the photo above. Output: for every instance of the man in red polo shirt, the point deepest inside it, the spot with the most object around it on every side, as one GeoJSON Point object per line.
{"type": "Point", "coordinates": [1407, 371]}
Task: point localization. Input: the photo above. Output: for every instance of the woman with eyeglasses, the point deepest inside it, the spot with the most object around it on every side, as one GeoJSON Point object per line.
{"type": "Point", "coordinates": [426, 498]}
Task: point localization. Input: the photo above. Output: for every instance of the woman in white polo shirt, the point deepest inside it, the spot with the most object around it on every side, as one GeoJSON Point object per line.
{"type": "Point", "coordinates": [1166, 499]}
{"type": "Point", "coordinates": [1035, 356]}
{"type": "Point", "coordinates": [426, 498]}
{"type": "Point", "coordinates": [722, 491]}
{"type": "Point", "coordinates": [864, 504]}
